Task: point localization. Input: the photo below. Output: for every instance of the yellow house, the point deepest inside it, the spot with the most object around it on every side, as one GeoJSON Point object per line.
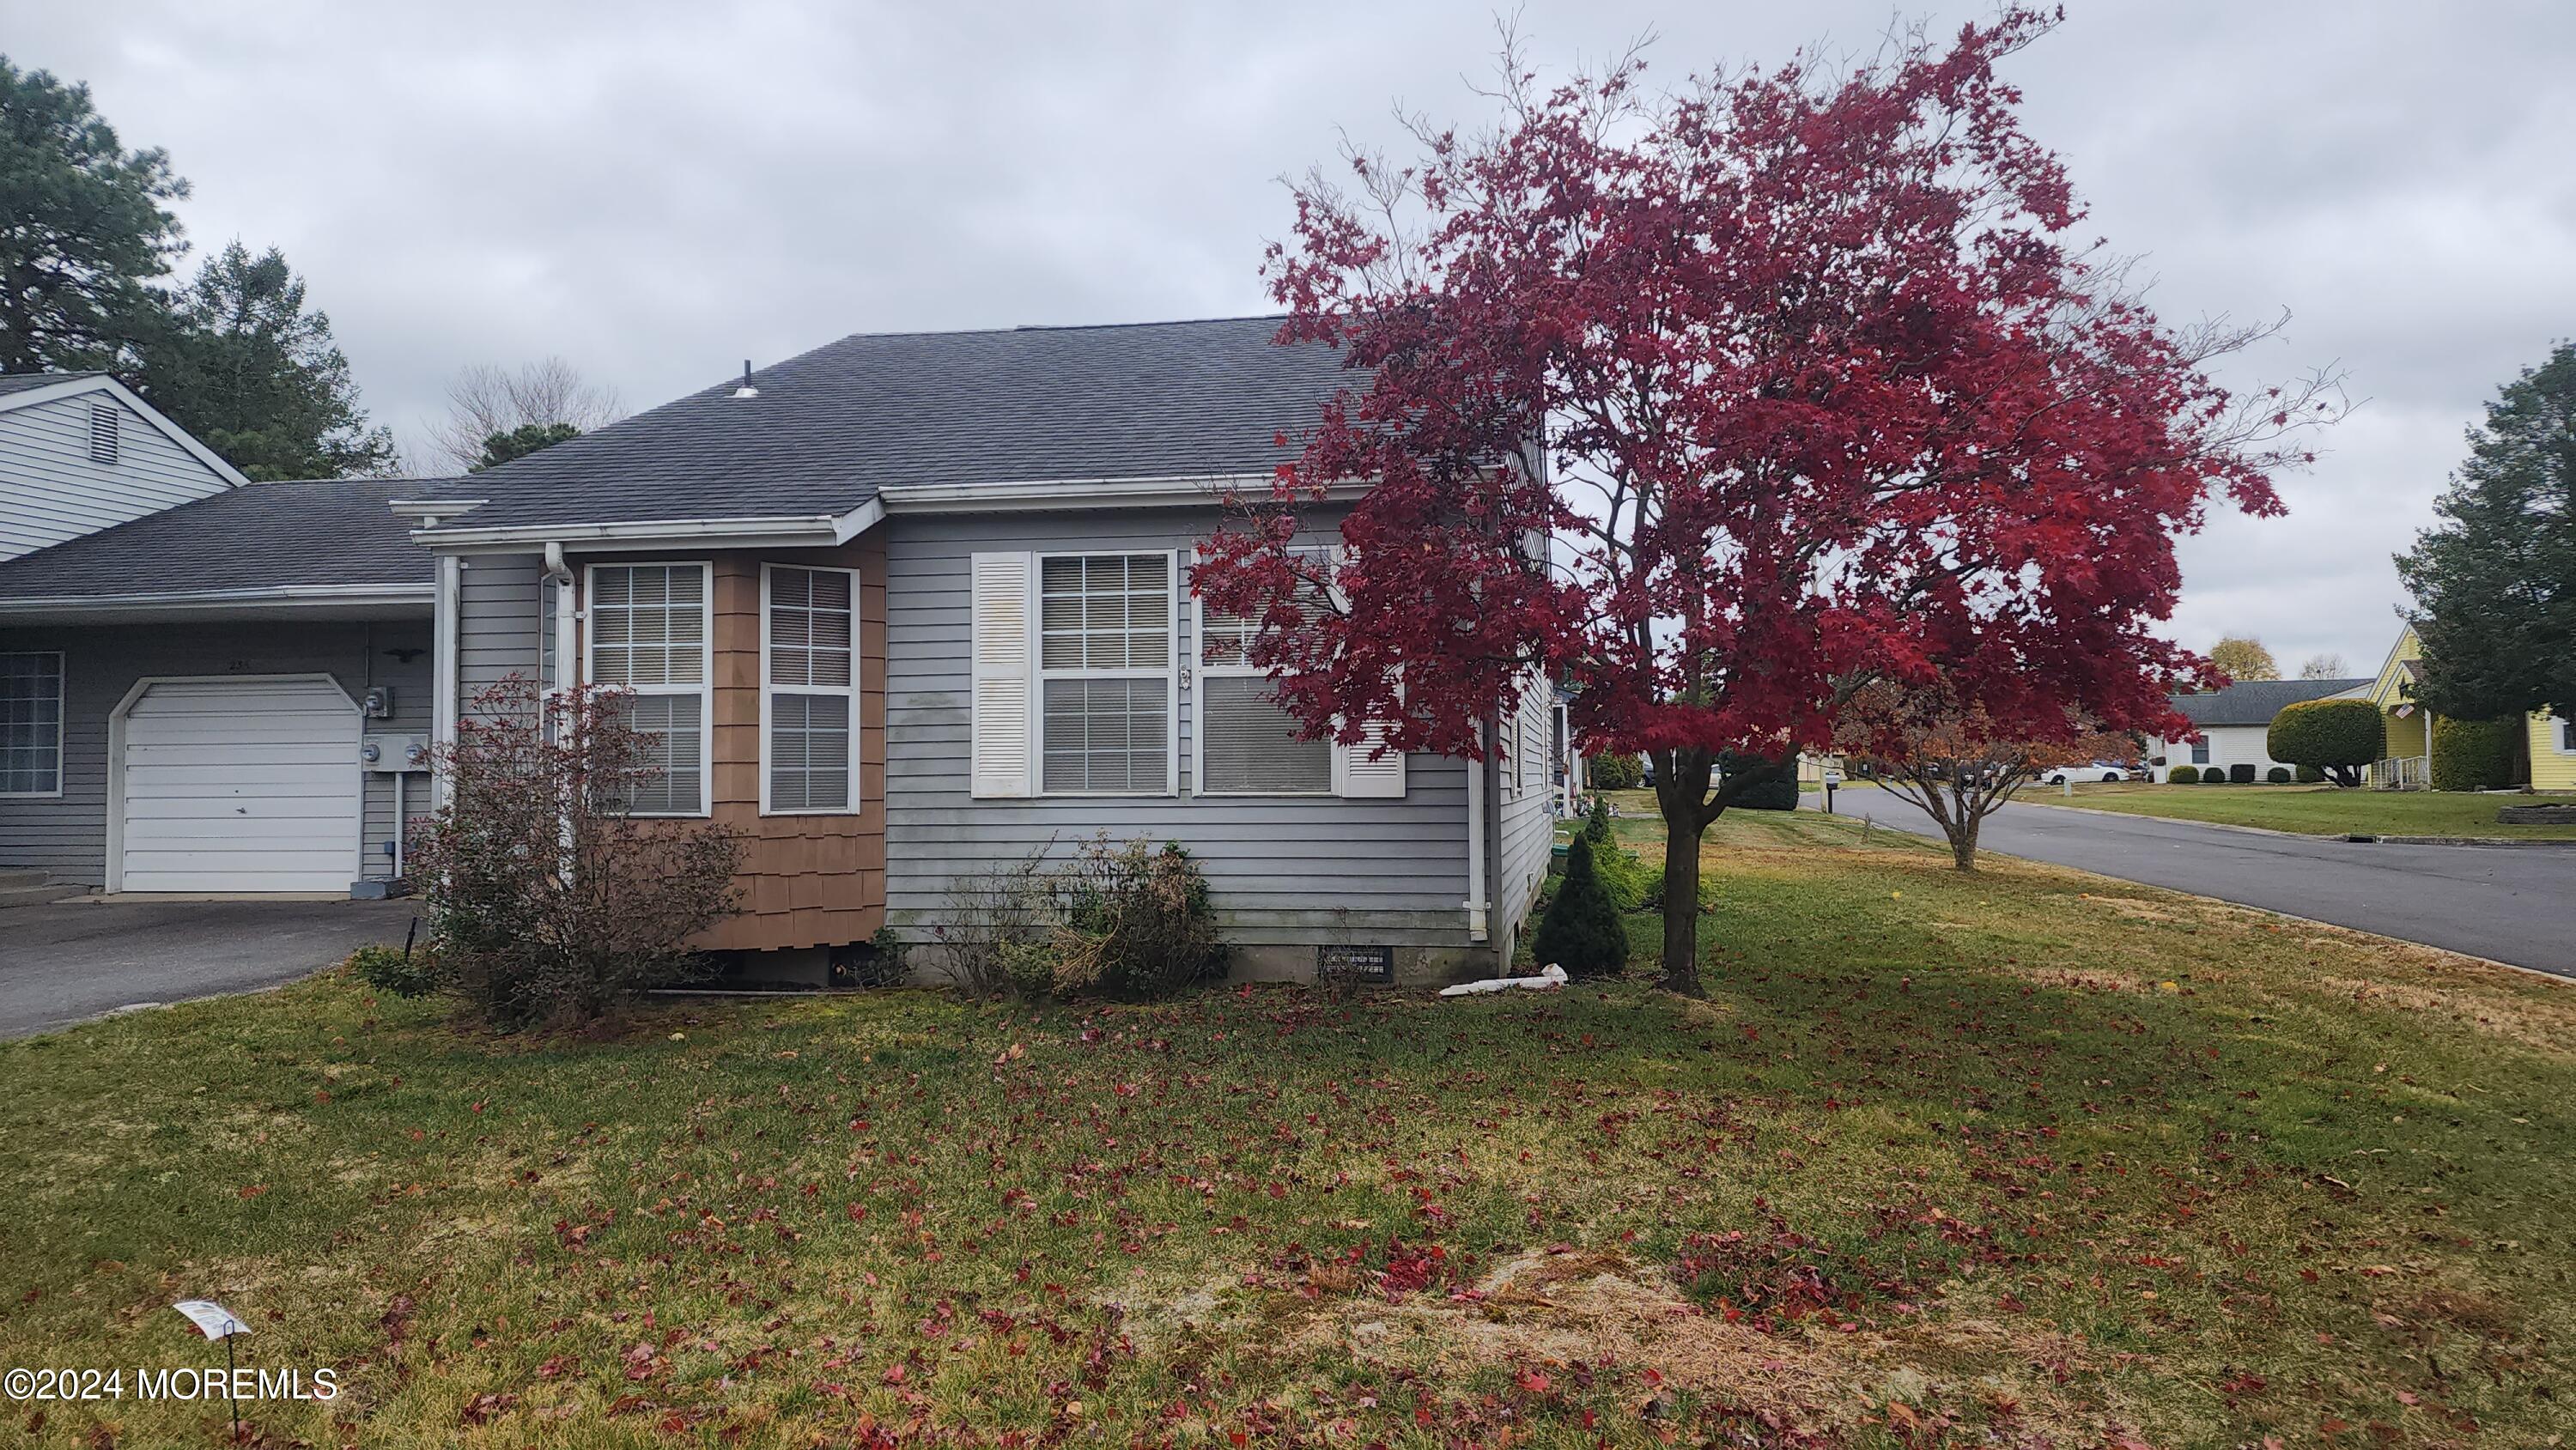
{"type": "Point", "coordinates": [2407, 756]}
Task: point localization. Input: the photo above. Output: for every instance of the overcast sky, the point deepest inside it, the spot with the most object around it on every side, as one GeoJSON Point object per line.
{"type": "Point", "coordinates": [657, 192]}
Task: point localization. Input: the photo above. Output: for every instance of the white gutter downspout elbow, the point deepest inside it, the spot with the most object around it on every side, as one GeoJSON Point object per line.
{"type": "Point", "coordinates": [1475, 902]}
{"type": "Point", "coordinates": [559, 574]}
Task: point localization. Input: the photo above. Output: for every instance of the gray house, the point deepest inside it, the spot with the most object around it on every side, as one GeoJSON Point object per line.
{"type": "Point", "coordinates": [903, 609]}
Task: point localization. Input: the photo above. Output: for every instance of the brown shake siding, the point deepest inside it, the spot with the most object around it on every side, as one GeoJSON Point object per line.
{"type": "Point", "coordinates": [806, 880]}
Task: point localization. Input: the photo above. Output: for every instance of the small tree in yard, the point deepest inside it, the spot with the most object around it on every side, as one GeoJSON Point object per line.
{"type": "Point", "coordinates": [2335, 737]}
{"type": "Point", "coordinates": [1951, 761]}
{"type": "Point", "coordinates": [1718, 404]}
{"type": "Point", "coordinates": [1581, 930]}
{"type": "Point", "coordinates": [549, 903]}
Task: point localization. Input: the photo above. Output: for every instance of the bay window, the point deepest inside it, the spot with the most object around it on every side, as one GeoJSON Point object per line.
{"type": "Point", "coordinates": [651, 627]}
{"type": "Point", "coordinates": [809, 701]}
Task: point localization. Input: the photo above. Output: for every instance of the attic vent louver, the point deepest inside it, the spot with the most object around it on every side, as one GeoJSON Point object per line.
{"type": "Point", "coordinates": [746, 390]}
{"type": "Point", "coordinates": [104, 422]}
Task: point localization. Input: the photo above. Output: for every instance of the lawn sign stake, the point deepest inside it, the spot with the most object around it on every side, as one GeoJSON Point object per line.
{"type": "Point", "coordinates": [218, 1323]}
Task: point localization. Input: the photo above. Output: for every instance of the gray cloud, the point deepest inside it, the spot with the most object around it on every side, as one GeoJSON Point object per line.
{"type": "Point", "coordinates": [656, 192]}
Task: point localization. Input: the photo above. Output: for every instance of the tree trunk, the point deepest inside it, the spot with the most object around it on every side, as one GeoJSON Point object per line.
{"type": "Point", "coordinates": [1963, 835]}
{"type": "Point", "coordinates": [1681, 790]}
{"type": "Point", "coordinates": [1681, 908]}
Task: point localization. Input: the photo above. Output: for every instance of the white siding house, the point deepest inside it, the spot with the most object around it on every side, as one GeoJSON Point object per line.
{"type": "Point", "coordinates": [2235, 723]}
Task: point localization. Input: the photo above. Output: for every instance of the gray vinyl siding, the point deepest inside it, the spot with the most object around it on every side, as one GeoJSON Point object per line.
{"type": "Point", "coordinates": [1526, 814]}
{"type": "Point", "coordinates": [1281, 870]}
{"type": "Point", "coordinates": [54, 492]}
{"type": "Point", "coordinates": [496, 622]}
{"type": "Point", "coordinates": [68, 836]}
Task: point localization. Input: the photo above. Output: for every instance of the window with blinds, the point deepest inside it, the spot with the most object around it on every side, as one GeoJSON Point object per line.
{"type": "Point", "coordinates": [1247, 744]}
{"type": "Point", "coordinates": [31, 724]}
{"type": "Point", "coordinates": [1105, 674]}
{"type": "Point", "coordinates": [809, 691]}
{"type": "Point", "coordinates": [649, 633]}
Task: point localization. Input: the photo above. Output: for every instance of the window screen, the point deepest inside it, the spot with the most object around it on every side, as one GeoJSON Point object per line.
{"type": "Point", "coordinates": [1105, 668]}
{"type": "Point", "coordinates": [1251, 744]}
{"type": "Point", "coordinates": [1108, 735]}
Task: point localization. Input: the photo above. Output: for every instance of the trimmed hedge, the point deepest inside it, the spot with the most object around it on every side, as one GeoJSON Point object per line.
{"type": "Point", "coordinates": [1774, 789]}
{"type": "Point", "coordinates": [2183, 775]}
{"type": "Point", "coordinates": [2213, 776]}
{"type": "Point", "coordinates": [2308, 775]}
{"type": "Point", "coordinates": [2337, 737]}
{"type": "Point", "coordinates": [2240, 773]}
{"type": "Point", "coordinates": [1613, 772]}
{"type": "Point", "coordinates": [2474, 754]}
{"type": "Point", "coordinates": [2277, 775]}
{"type": "Point", "coordinates": [1581, 930]}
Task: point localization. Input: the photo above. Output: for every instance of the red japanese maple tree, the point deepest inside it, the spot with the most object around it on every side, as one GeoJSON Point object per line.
{"type": "Point", "coordinates": [1718, 405]}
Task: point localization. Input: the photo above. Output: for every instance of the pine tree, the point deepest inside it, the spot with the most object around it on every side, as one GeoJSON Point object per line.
{"type": "Point", "coordinates": [1581, 931]}
{"type": "Point", "coordinates": [1596, 827]}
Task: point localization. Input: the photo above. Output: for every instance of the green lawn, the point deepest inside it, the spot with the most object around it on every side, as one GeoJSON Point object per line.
{"type": "Point", "coordinates": [2025, 1158]}
{"type": "Point", "coordinates": [2314, 810]}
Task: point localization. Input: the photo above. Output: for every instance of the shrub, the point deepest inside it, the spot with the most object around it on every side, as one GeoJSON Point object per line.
{"type": "Point", "coordinates": [1596, 825]}
{"type": "Point", "coordinates": [1581, 930]}
{"type": "Point", "coordinates": [2241, 773]}
{"type": "Point", "coordinates": [1774, 783]}
{"type": "Point", "coordinates": [547, 901]}
{"type": "Point", "coordinates": [2277, 775]}
{"type": "Point", "coordinates": [2475, 754]}
{"type": "Point", "coordinates": [2337, 737]}
{"type": "Point", "coordinates": [1613, 772]}
{"type": "Point", "coordinates": [2307, 775]}
{"type": "Point", "coordinates": [1131, 921]}
{"type": "Point", "coordinates": [2183, 775]}
{"type": "Point", "coordinates": [394, 972]}
{"type": "Point", "coordinates": [993, 938]}
{"type": "Point", "coordinates": [2213, 776]}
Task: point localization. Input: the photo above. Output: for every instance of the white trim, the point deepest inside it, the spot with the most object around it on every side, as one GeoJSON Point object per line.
{"type": "Point", "coordinates": [783, 531]}
{"type": "Point", "coordinates": [62, 723]}
{"type": "Point", "coordinates": [288, 596]}
{"type": "Point", "coordinates": [75, 387]}
{"type": "Point", "coordinates": [1170, 674]}
{"type": "Point", "coordinates": [444, 681]}
{"type": "Point", "coordinates": [116, 761]}
{"type": "Point", "coordinates": [856, 805]}
{"type": "Point", "coordinates": [2559, 730]}
{"type": "Point", "coordinates": [706, 687]}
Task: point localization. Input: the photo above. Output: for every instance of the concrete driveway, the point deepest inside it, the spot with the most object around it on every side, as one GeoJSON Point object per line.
{"type": "Point", "coordinates": [75, 960]}
{"type": "Point", "coordinates": [2508, 905]}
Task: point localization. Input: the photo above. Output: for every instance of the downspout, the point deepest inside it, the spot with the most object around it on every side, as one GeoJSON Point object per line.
{"type": "Point", "coordinates": [1476, 903]}
{"type": "Point", "coordinates": [443, 653]}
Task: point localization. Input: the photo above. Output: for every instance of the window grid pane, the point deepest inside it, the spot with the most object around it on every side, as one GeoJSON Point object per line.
{"type": "Point", "coordinates": [675, 786]}
{"type": "Point", "coordinates": [31, 723]}
{"type": "Point", "coordinates": [1105, 612]}
{"type": "Point", "coordinates": [1107, 735]}
{"type": "Point", "coordinates": [809, 753]}
{"type": "Point", "coordinates": [648, 624]}
{"type": "Point", "coordinates": [812, 633]}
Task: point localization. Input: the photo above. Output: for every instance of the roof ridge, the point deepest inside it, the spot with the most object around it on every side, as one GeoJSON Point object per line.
{"type": "Point", "coordinates": [1059, 327]}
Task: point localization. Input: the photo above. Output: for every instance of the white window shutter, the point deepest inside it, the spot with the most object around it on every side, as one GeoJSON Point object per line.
{"type": "Point", "coordinates": [1359, 776]}
{"type": "Point", "coordinates": [999, 756]}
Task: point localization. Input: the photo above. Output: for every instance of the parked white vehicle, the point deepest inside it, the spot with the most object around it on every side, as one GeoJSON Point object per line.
{"type": "Point", "coordinates": [2101, 770]}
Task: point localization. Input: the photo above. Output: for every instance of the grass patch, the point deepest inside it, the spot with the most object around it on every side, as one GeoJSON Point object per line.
{"type": "Point", "coordinates": [2314, 810]}
{"type": "Point", "coordinates": [2026, 1158]}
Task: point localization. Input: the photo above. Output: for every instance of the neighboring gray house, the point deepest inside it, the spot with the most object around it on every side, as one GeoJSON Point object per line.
{"type": "Point", "coordinates": [911, 606]}
{"type": "Point", "coordinates": [186, 696]}
{"type": "Point", "coordinates": [2235, 723]}
{"type": "Point", "coordinates": [78, 453]}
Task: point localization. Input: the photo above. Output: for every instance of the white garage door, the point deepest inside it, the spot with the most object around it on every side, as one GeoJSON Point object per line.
{"type": "Point", "coordinates": [241, 785]}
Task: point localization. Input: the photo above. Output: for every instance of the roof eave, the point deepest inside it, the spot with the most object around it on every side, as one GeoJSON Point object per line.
{"type": "Point", "coordinates": [297, 600]}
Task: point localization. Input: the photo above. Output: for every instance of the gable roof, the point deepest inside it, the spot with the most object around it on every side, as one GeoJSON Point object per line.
{"type": "Point", "coordinates": [259, 538]}
{"type": "Point", "coordinates": [24, 390]}
{"type": "Point", "coordinates": [831, 428]}
{"type": "Point", "coordinates": [2255, 702]}
{"type": "Point", "coordinates": [22, 382]}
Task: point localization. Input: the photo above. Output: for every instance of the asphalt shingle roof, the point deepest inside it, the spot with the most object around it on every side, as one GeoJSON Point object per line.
{"type": "Point", "coordinates": [833, 426]}
{"type": "Point", "coordinates": [258, 536]}
{"type": "Point", "coordinates": [2255, 702]}
{"type": "Point", "coordinates": [21, 382]}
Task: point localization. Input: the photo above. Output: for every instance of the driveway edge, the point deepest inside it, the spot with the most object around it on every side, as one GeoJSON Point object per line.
{"type": "Point", "coordinates": [2500, 843]}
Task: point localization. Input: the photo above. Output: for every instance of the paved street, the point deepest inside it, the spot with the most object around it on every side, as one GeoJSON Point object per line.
{"type": "Point", "coordinates": [71, 961]}
{"type": "Point", "coordinates": [2515, 906]}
